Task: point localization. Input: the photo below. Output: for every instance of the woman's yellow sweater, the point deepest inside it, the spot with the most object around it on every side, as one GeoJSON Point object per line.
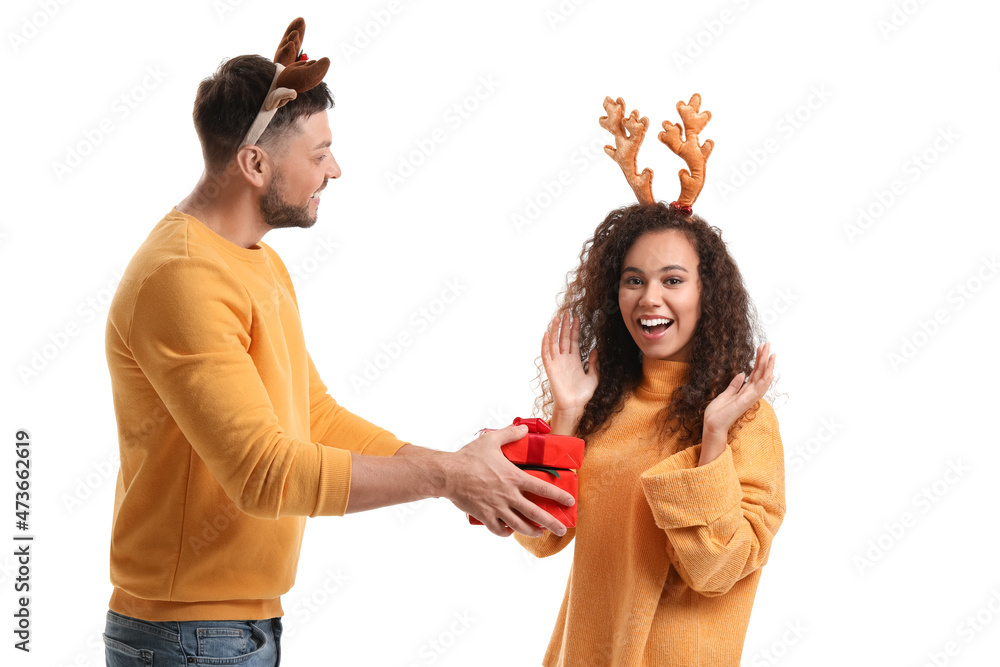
{"type": "Point", "coordinates": [667, 554]}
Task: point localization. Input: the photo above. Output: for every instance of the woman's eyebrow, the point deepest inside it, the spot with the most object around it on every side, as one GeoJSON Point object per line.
{"type": "Point", "coordinates": [669, 267]}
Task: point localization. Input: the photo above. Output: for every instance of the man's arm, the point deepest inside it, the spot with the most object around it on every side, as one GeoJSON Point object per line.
{"type": "Point", "coordinates": [478, 479]}
{"type": "Point", "coordinates": [413, 450]}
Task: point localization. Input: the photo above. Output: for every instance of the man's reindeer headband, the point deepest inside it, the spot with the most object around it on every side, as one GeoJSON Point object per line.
{"type": "Point", "coordinates": [294, 73]}
{"type": "Point", "coordinates": [629, 131]}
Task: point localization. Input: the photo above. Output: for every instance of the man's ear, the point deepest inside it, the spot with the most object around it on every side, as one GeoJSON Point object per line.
{"type": "Point", "coordinates": [254, 165]}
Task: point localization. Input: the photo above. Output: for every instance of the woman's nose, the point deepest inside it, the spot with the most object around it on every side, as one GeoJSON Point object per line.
{"type": "Point", "coordinates": [650, 295]}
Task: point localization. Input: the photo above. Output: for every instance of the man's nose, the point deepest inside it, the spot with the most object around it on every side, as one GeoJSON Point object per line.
{"type": "Point", "coordinates": [333, 171]}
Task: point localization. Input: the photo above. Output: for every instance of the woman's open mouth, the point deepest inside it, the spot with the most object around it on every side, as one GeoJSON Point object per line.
{"type": "Point", "coordinates": [654, 328]}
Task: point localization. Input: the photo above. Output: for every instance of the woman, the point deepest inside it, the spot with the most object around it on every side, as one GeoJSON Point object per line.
{"type": "Point", "coordinates": [682, 481]}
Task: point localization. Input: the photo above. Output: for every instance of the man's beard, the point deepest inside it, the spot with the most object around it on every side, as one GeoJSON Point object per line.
{"type": "Point", "coordinates": [279, 214]}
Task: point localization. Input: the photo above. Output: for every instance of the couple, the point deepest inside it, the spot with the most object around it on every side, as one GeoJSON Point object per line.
{"type": "Point", "coordinates": [229, 439]}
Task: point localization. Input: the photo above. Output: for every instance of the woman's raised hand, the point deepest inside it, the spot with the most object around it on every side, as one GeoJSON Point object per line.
{"type": "Point", "coordinates": [739, 397]}
{"type": "Point", "coordinates": [571, 386]}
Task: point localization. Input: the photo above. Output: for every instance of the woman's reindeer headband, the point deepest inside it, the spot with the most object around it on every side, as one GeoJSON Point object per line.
{"type": "Point", "coordinates": [629, 131]}
{"type": "Point", "coordinates": [294, 73]}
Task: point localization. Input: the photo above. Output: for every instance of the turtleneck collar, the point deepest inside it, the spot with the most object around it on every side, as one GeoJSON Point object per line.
{"type": "Point", "coordinates": [661, 377]}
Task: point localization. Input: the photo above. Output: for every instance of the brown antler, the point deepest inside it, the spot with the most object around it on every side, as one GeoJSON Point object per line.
{"type": "Point", "coordinates": [291, 42]}
{"type": "Point", "coordinates": [693, 154]}
{"type": "Point", "coordinates": [291, 77]}
{"type": "Point", "coordinates": [298, 76]}
{"type": "Point", "coordinates": [628, 132]}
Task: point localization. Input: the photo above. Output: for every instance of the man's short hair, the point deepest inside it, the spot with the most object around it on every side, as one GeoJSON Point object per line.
{"type": "Point", "coordinates": [228, 101]}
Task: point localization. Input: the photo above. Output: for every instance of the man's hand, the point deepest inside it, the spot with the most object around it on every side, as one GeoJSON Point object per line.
{"type": "Point", "coordinates": [481, 481]}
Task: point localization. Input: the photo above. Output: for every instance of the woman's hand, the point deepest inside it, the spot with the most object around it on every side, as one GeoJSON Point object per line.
{"type": "Point", "coordinates": [730, 405]}
{"type": "Point", "coordinates": [571, 386]}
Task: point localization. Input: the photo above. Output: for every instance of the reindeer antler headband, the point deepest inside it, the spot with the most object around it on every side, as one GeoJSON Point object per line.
{"type": "Point", "coordinates": [629, 132]}
{"type": "Point", "coordinates": [294, 73]}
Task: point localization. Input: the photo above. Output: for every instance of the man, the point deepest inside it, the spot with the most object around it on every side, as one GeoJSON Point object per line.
{"type": "Point", "coordinates": [228, 437]}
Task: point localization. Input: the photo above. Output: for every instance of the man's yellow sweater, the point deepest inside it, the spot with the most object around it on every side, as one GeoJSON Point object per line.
{"type": "Point", "coordinates": [228, 437]}
{"type": "Point", "coordinates": [667, 554]}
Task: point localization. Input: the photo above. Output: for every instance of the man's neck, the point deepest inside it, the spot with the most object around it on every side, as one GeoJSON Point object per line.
{"type": "Point", "coordinates": [229, 211]}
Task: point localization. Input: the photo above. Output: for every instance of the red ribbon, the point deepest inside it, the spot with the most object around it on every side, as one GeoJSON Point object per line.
{"type": "Point", "coordinates": [536, 448]}
{"type": "Point", "coordinates": [686, 210]}
{"type": "Point", "coordinates": [534, 424]}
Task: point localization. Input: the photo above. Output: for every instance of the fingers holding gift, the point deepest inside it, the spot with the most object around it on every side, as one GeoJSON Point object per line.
{"type": "Point", "coordinates": [536, 516]}
{"type": "Point", "coordinates": [533, 485]}
{"type": "Point", "coordinates": [541, 494]}
{"type": "Point", "coordinates": [516, 521]}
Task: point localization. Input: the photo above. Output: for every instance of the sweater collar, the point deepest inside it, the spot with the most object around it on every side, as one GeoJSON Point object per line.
{"type": "Point", "coordinates": [255, 254]}
{"type": "Point", "coordinates": [661, 377]}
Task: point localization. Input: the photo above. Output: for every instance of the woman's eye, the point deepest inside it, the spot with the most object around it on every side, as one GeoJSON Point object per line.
{"type": "Point", "coordinates": [673, 281]}
{"type": "Point", "coordinates": [632, 280]}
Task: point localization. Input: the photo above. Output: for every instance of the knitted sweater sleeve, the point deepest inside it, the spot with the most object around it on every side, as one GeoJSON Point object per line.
{"type": "Point", "coordinates": [546, 544]}
{"type": "Point", "coordinates": [720, 518]}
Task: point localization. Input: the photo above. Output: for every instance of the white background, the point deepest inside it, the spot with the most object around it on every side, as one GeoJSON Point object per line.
{"type": "Point", "coordinates": [817, 110]}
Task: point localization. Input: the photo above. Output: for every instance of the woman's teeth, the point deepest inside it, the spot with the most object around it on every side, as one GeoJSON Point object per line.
{"type": "Point", "coordinates": [655, 326]}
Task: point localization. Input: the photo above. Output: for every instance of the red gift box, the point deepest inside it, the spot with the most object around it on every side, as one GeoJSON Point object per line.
{"type": "Point", "coordinates": [551, 458]}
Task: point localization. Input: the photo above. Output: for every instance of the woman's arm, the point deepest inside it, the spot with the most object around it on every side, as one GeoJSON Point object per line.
{"type": "Point", "coordinates": [547, 544]}
{"type": "Point", "coordinates": [721, 517]}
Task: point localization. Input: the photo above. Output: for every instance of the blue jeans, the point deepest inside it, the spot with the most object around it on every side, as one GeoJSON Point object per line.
{"type": "Point", "coordinates": [129, 642]}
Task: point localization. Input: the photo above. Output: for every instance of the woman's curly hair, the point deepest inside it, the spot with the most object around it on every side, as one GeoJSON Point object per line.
{"type": "Point", "coordinates": [723, 340]}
